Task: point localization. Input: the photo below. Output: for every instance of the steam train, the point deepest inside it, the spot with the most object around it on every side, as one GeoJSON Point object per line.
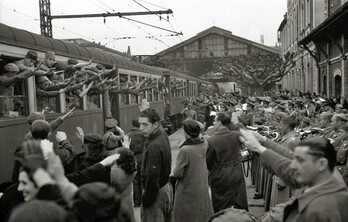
{"type": "Point", "coordinates": [14, 44]}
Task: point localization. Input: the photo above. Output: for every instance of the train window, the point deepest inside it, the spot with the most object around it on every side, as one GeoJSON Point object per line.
{"type": "Point", "coordinates": [13, 98]}
{"type": "Point", "coordinates": [173, 87]}
{"type": "Point", "coordinates": [133, 97]}
{"type": "Point", "coordinates": [155, 90]}
{"type": "Point", "coordinates": [73, 96]}
{"type": "Point", "coordinates": [141, 95]}
{"type": "Point", "coordinates": [123, 85]}
{"type": "Point", "coordinates": [94, 101]}
{"type": "Point", "coordinates": [47, 95]}
{"type": "Point", "coordinates": [150, 95]}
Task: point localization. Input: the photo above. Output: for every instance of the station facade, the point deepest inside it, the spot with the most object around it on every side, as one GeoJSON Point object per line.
{"type": "Point", "coordinates": [317, 32]}
{"type": "Point", "coordinates": [196, 55]}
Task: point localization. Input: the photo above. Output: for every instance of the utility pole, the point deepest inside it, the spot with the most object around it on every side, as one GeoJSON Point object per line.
{"type": "Point", "coordinates": [46, 17]}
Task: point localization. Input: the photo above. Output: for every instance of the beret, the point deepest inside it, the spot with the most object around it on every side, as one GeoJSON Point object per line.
{"type": "Point", "coordinates": [31, 55]}
{"type": "Point", "coordinates": [50, 55]}
{"type": "Point", "coordinates": [110, 123]}
{"type": "Point", "coordinates": [92, 138]}
{"type": "Point", "coordinates": [35, 116]}
{"type": "Point", "coordinates": [192, 128]}
{"type": "Point", "coordinates": [59, 65]}
{"type": "Point", "coordinates": [99, 66]}
{"type": "Point", "coordinates": [11, 67]}
{"type": "Point", "coordinates": [72, 62]}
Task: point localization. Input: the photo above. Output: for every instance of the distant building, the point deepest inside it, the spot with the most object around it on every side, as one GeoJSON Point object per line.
{"type": "Point", "coordinates": [316, 31]}
{"type": "Point", "coordinates": [195, 56]}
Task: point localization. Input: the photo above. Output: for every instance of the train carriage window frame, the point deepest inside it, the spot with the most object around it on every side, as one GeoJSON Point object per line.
{"type": "Point", "coordinates": [149, 94]}
{"type": "Point", "coordinates": [141, 95]}
{"type": "Point", "coordinates": [20, 100]}
{"type": "Point", "coordinates": [124, 97]}
{"type": "Point", "coordinates": [133, 97]}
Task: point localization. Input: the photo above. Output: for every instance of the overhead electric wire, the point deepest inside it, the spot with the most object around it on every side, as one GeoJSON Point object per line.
{"type": "Point", "coordinates": [153, 26]}
{"type": "Point", "coordinates": [158, 15]}
{"type": "Point", "coordinates": [150, 10]}
{"type": "Point", "coordinates": [153, 4]}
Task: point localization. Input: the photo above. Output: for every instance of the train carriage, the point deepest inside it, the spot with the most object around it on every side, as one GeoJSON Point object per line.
{"type": "Point", "coordinates": [14, 44]}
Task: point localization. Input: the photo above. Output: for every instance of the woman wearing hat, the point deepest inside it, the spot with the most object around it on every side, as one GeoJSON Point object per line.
{"type": "Point", "coordinates": [192, 178]}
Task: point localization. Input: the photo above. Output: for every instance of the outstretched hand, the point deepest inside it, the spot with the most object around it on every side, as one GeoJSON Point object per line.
{"type": "Point", "coordinates": [69, 113]}
{"type": "Point", "coordinates": [33, 156]}
{"type": "Point", "coordinates": [108, 161]}
{"type": "Point", "coordinates": [126, 141]}
{"type": "Point", "coordinates": [251, 142]}
{"type": "Point", "coordinates": [80, 135]}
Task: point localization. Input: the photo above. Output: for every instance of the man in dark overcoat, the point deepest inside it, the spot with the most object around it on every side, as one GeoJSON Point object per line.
{"type": "Point", "coordinates": [157, 198]}
{"type": "Point", "coordinates": [225, 170]}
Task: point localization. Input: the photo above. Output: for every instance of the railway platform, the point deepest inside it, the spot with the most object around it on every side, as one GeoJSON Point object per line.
{"type": "Point", "coordinates": [256, 206]}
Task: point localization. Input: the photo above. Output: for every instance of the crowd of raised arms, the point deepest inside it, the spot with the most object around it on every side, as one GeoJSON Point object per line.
{"type": "Point", "coordinates": [297, 146]}
{"type": "Point", "coordinates": [71, 77]}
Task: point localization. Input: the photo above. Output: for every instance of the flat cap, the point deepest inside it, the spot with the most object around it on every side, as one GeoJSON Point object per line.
{"type": "Point", "coordinates": [35, 116]}
{"type": "Point", "coordinates": [110, 123]}
{"type": "Point", "coordinates": [31, 55]}
{"type": "Point", "coordinates": [11, 67]}
{"type": "Point", "coordinates": [341, 116]}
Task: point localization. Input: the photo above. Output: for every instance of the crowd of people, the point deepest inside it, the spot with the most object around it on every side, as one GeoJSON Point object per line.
{"type": "Point", "coordinates": [71, 78]}
{"type": "Point", "coordinates": [297, 143]}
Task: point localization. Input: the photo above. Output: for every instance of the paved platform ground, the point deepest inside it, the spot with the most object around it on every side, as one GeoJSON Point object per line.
{"type": "Point", "coordinates": [256, 207]}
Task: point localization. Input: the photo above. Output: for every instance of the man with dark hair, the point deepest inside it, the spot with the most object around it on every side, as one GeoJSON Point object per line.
{"type": "Point", "coordinates": [324, 197]}
{"type": "Point", "coordinates": [40, 129]}
{"type": "Point", "coordinates": [247, 117]}
{"type": "Point", "coordinates": [156, 166]}
{"type": "Point", "coordinates": [225, 170]}
{"type": "Point", "coordinates": [137, 140]}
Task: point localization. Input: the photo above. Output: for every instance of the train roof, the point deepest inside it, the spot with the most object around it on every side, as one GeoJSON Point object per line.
{"type": "Point", "coordinates": [22, 38]}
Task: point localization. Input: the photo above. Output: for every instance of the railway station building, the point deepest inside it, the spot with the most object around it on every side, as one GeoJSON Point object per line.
{"type": "Point", "coordinates": [317, 32]}
{"type": "Point", "coordinates": [196, 55]}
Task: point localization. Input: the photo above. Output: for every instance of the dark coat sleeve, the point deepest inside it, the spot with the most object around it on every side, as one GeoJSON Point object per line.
{"type": "Point", "coordinates": [152, 171]}
{"type": "Point", "coordinates": [55, 124]}
{"type": "Point", "coordinates": [65, 151]}
{"type": "Point", "coordinates": [210, 157]}
{"type": "Point", "coordinates": [94, 173]}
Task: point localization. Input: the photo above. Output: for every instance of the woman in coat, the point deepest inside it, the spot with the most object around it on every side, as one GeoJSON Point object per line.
{"type": "Point", "coordinates": [192, 202]}
{"type": "Point", "coordinates": [122, 176]}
